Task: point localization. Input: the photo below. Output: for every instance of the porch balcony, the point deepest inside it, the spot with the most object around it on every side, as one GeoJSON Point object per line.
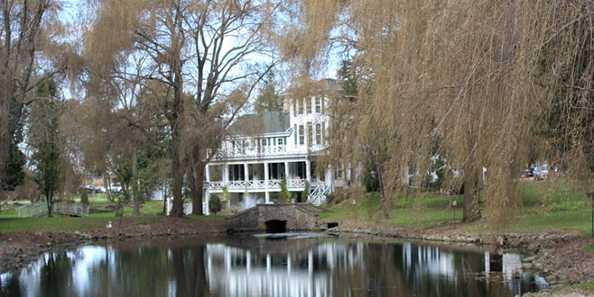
{"type": "Point", "coordinates": [273, 185]}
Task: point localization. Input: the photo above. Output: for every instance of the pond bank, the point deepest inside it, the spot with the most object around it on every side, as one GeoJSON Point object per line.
{"type": "Point", "coordinates": [18, 249]}
{"type": "Point", "coordinates": [561, 256]}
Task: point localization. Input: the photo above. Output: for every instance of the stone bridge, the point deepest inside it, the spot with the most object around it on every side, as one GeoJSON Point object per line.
{"type": "Point", "coordinates": [275, 218]}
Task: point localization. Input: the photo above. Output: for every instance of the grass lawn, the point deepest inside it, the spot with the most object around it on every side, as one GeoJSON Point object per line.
{"type": "Point", "coordinates": [546, 205]}
{"type": "Point", "coordinates": [419, 211]}
{"type": "Point", "coordinates": [151, 212]}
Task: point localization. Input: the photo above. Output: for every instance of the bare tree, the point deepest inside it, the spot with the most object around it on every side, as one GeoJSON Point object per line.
{"type": "Point", "coordinates": [21, 26]}
{"type": "Point", "coordinates": [198, 51]}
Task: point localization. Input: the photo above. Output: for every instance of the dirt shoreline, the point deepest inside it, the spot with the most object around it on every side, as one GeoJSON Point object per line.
{"type": "Point", "coordinates": [19, 249]}
{"type": "Point", "coordinates": [559, 255]}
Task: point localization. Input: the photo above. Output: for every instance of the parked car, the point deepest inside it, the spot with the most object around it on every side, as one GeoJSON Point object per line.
{"type": "Point", "coordinates": [116, 188]}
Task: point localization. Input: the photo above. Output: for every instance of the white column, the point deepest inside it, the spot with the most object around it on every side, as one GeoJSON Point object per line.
{"type": "Point", "coordinates": [207, 201]}
{"type": "Point", "coordinates": [225, 174]}
{"type": "Point", "coordinates": [287, 171]}
{"type": "Point", "coordinates": [308, 170]}
{"type": "Point", "coordinates": [246, 172]}
{"type": "Point", "coordinates": [267, 194]}
{"type": "Point", "coordinates": [206, 205]}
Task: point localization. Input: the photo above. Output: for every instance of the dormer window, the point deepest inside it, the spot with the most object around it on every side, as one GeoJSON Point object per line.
{"type": "Point", "coordinates": [318, 104]}
{"type": "Point", "coordinates": [305, 104]}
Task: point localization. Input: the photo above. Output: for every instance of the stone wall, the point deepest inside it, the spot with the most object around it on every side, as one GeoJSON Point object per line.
{"type": "Point", "coordinates": [297, 216]}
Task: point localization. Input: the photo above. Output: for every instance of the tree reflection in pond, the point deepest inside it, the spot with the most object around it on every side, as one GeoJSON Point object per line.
{"type": "Point", "coordinates": [258, 267]}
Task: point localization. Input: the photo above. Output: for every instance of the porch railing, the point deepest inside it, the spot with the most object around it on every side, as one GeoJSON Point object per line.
{"type": "Point", "coordinates": [273, 184]}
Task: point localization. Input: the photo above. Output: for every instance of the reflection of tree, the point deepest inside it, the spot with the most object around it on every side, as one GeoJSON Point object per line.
{"type": "Point", "coordinates": [55, 273]}
{"type": "Point", "coordinates": [189, 272]}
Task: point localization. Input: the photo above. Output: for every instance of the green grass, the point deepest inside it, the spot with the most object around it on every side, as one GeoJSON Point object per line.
{"type": "Point", "coordinates": [9, 222]}
{"type": "Point", "coordinates": [546, 205]}
{"type": "Point", "coordinates": [590, 248]}
{"type": "Point", "coordinates": [62, 224]}
{"type": "Point", "coordinates": [412, 211]}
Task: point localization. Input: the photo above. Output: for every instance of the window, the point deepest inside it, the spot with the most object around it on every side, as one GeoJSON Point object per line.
{"type": "Point", "coordinates": [318, 104]}
{"type": "Point", "coordinates": [305, 104]}
{"type": "Point", "coordinates": [309, 134]}
{"type": "Point", "coordinates": [280, 141]}
{"type": "Point", "coordinates": [301, 134]}
{"type": "Point", "coordinates": [318, 134]}
{"type": "Point", "coordinates": [300, 106]}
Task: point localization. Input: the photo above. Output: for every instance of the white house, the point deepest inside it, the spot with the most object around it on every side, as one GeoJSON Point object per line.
{"type": "Point", "coordinates": [262, 150]}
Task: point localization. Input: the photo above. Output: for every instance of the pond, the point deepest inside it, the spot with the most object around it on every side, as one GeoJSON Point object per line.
{"type": "Point", "coordinates": [250, 266]}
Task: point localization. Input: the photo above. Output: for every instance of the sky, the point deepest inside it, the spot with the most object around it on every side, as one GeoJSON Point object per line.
{"type": "Point", "coordinates": [73, 14]}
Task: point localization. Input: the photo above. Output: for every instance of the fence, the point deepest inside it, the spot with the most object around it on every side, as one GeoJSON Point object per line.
{"type": "Point", "coordinates": [62, 208]}
{"type": "Point", "coordinates": [33, 210]}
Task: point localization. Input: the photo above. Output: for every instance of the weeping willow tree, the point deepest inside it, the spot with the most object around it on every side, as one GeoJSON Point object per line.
{"type": "Point", "coordinates": [467, 75]}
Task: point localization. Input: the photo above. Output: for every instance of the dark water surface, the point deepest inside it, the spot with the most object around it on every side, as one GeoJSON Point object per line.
{"type": "Point", "coordinates": [251, 267]}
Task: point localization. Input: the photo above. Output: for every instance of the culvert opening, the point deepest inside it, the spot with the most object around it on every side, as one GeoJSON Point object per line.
{"type": "Point", "coordinates": [276, 226]}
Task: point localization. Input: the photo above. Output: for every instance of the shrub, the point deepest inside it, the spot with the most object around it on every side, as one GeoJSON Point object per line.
{"type": "Point", "coordinates": [215, 204]}
{"type": "Point", "coordinates": [84, 198]}
{"type": "Point", "coordinates": [285, 196]}
{"type": "Point", "coordinates": [306, 191]}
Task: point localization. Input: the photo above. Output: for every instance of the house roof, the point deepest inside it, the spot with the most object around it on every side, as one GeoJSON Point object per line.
{"type": "Point", "coordinates": [258, 124]}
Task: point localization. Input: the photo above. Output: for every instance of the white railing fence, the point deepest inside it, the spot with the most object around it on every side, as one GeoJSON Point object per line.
{"type": "Point", "coordinates": [39, 209]}
{"type": "Point", "coordinates": [319, 194]}
{"type": "Point", "coordinates": [273, 184]}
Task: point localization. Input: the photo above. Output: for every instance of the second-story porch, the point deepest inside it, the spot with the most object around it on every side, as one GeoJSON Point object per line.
{"type": "Point", "coordinates": [263, 176]}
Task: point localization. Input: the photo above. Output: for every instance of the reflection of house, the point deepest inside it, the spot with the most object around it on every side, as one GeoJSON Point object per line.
{"type": "Point", "coordinates": [239, 272]}
{"type": "Point", "coordinates": [267, 149]}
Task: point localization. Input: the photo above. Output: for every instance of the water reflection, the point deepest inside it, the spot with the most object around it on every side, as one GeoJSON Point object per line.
{"type": "Point", "coordinates": [313, 267]}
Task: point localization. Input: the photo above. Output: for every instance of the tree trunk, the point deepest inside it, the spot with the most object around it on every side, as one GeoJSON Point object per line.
{"type": "Point", "coordinates": [135, 191]}
{"type": "Point", "coordinates": [196, 179]}
{"type": "Point", "coordinates": [165, 197]}
{"type": "Point", "coordinates": [471, 211]}
{"type": "Point", "coordinates": [49, 201]}
{"type": "Point", "coordinates": [107, 185]}
{"type": "Point", "coordinates": [176, 119]}
{"type": "Point", "coordinates": [386, 201]}
{"type": "Point", "coordinates": [177, 172]}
